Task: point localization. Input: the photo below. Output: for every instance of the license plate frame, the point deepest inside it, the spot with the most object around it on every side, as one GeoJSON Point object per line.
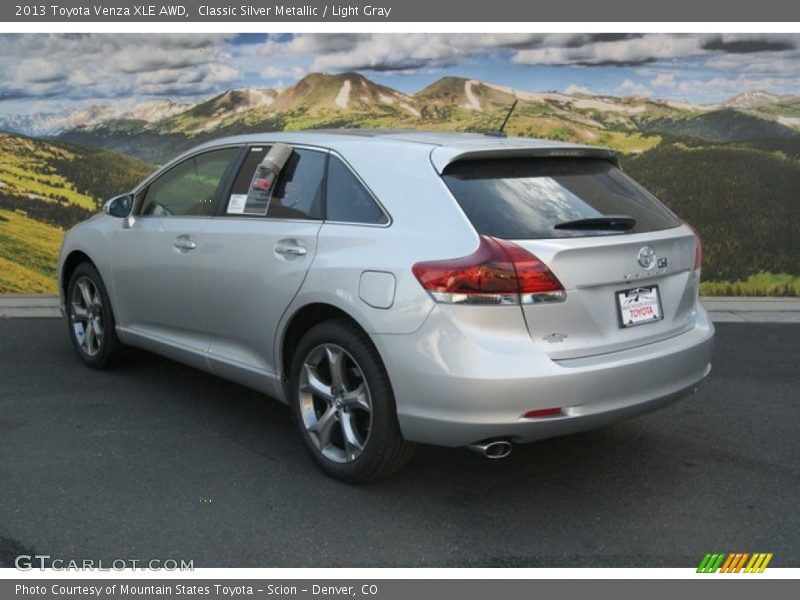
{"type": "Point", "coordinates": [621, 295]}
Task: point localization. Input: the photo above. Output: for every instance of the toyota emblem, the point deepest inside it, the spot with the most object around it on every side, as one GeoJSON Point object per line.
{"type": "Point", "coordinates": [647, 257]}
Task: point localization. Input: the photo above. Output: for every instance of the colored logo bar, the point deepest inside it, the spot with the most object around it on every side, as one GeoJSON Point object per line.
{"type": "Point", "coordinates": [737, 562]}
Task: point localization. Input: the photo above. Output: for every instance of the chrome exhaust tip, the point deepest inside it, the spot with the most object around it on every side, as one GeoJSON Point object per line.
{"type": "Point", "coordinates": [492, 450]}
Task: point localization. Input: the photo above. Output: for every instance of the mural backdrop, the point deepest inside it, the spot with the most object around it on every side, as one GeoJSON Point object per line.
{"type": "Point", "coordinates": [709, 123]}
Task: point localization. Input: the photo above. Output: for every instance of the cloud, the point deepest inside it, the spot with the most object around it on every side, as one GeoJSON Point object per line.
{"type": "Point", "coordinates": [80, 66]}
{"type": "Point", "coordinates": [634, 50]}
{"type": "Point", "coordinates": [395, 52]}
{"type": "Point", "coordinates": [578, 89]}
{"type": "Point", "coordinates": [275, 72]}
{"type": "Point", "coordinates": [664, 80]}
{"type": "Point", "coordinates": [748, 46]}
{"type": "Point", "coordinates": [41, 70]}
{"type": "Point", "coordinates": [630, 88]}
{"type": "Point", "coordinates": [621, 52]}
{"type": "Point", "coordinates": [711, 90]}
{"type": "Point", "coordinates": [404, 52]}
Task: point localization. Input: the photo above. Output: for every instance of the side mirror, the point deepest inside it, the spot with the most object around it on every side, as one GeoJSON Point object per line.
{"type": "Point", "coordinates": [120, 206]}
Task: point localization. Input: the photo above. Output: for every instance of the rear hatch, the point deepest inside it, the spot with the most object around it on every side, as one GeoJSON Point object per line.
{"type": "Point", "coordinates": [628, 265]}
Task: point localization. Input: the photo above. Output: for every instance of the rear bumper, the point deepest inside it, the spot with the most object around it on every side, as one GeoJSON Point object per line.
{"type": "Point", "coordinates": [458, 382]}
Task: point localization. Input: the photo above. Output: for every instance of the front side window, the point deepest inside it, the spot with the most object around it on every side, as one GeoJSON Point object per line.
{"type": "Point", "coordinates": [347, 200]}
{"type": "Point", "coordinates": [190, 188]}
{"type": "Point", "coordinates": [295, 194]}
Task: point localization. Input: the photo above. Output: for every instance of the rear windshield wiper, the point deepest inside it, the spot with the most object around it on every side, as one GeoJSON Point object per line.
{"type": "Point", "coordinates": [609, 222]}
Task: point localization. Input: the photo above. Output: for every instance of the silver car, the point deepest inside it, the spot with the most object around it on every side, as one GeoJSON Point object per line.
{"type": "Point", "coordinates": [397, 287]}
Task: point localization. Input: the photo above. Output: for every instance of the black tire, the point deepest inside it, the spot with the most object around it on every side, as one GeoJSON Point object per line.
{"type": "Point", "coordinates": [108, 350]}
{"type": "Point", "coordinates": [384, 450]}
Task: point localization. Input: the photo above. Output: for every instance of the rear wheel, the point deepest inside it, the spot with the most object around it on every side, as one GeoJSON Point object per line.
{"type": "Point", "coordinates": [343, 403]}
{"type": "Point", "coordinates": [91, 320]}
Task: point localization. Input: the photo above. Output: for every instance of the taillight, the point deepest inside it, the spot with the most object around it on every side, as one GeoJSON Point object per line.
{"type": "Point", "coordinates": [543, 412]}
{"type": "Point", "coordinates": [698, 248]}
{"type": "Point", "coordinates": [498, 272]}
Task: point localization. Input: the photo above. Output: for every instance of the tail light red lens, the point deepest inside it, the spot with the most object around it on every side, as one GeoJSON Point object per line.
{"type": "Point", "coordinates": [542, 412]}
{"type": "Point", "coordinates": [498, 272]}
{"type": "Point", "coordinates": [698, 249]}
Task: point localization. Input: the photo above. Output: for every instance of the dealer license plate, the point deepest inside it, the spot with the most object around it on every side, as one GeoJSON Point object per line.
{"type": "Point", "coordinates": [639, 305]}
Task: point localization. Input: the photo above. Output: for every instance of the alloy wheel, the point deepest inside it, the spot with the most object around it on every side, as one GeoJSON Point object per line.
{"type": "Point", "coordinates": [86, 315]}
{"type": "Point", "coordinates": [335, 403]}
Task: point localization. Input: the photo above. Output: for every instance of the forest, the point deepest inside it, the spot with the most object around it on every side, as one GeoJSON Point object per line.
{"type": "Point", "coordinates": [742, 200]}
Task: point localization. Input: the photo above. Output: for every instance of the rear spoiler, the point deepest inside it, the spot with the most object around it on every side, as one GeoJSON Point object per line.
{"type": "Point", "coordinates": [441, 156]}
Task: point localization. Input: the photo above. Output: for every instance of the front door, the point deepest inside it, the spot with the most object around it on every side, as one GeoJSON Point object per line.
{"type": "Point", "coordinates": [155, 258]}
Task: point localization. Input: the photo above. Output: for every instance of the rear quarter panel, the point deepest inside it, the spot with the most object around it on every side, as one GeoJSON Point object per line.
{"type": "Point", "coordinates": [425, 224]}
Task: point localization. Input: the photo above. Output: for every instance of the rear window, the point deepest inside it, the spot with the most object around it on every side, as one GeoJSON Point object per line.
{"type": "Point", "coordinates": [525, 198]}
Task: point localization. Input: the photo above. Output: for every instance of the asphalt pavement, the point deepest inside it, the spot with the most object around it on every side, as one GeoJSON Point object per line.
{"type": "Point", "coordinates": [154, 460]}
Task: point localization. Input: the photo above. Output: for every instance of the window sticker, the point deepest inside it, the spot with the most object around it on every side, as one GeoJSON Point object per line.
{"type": "Point", "coordinates": [260, 192]}
{"type": "Point", "coordinates": [236, 204]}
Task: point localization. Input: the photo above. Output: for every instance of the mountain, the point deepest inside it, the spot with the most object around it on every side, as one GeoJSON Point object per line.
{"type": "Point", "coordinates": [45, 124]}
{"type": "Point", "coordinates": [459, 93]}
{"type": "Point", "coordinates": [154, 110]}
{"type": "Point", "coordinates": [732, 169]}
{"type": "Point", "coordinates": [319, 100]}
{"type": "Point", "coordinates": [351, 100]}
{"type": "Point", "coordinates": [60, 175]}
{"type": "Point", "coordinates": [217, 111]}
{"type": "Point", "coordinates": [751, 100]}
{"type": "Point", "coordinates": [318, 93]}
{"type": "Point", "coordinates": [726, 125]}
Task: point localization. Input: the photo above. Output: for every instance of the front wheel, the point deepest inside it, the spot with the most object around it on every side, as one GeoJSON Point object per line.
{"type": "Point", "coordinates": [91, 320]}
{"type": "Point", "coordinates": [343, 403]}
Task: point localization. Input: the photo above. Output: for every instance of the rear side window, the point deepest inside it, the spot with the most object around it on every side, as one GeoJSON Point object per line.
{"type": "Point", "coordinates": [296, 194]}
{"type": "Point", "coordinates": [525, 198]}
{"type": "Point", "coordinates": [346, 199]}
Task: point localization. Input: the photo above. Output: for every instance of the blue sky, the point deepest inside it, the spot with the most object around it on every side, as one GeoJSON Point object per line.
{"type": "Point", "coordinates": [49, 72]}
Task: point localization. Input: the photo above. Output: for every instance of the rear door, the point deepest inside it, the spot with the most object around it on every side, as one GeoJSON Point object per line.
{"type": "Point", "coordinates": [254, 257]}
{"type": "Point", "coordinates": [626, 286]}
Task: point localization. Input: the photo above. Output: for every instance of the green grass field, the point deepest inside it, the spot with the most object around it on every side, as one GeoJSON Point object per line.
{"type": "Point", "coordinates": [26, 168]}
{"type": "Point", "coordinates": [39, 243]}
{"type": "Point", "coordinates": [761, 284]}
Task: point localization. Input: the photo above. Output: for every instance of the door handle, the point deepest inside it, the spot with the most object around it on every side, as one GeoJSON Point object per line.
{"type": "Point", "coordinates": [290, 248]}
{"type": "Point", "coordinates": [184, 243]}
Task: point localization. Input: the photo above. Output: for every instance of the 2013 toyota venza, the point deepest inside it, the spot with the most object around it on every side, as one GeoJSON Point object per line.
{"type": "Point", "coordinates": [400, 287]}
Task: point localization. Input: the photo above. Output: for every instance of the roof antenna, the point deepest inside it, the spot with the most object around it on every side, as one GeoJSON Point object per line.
{"type": "Point", "coordinates": [500, 132]}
